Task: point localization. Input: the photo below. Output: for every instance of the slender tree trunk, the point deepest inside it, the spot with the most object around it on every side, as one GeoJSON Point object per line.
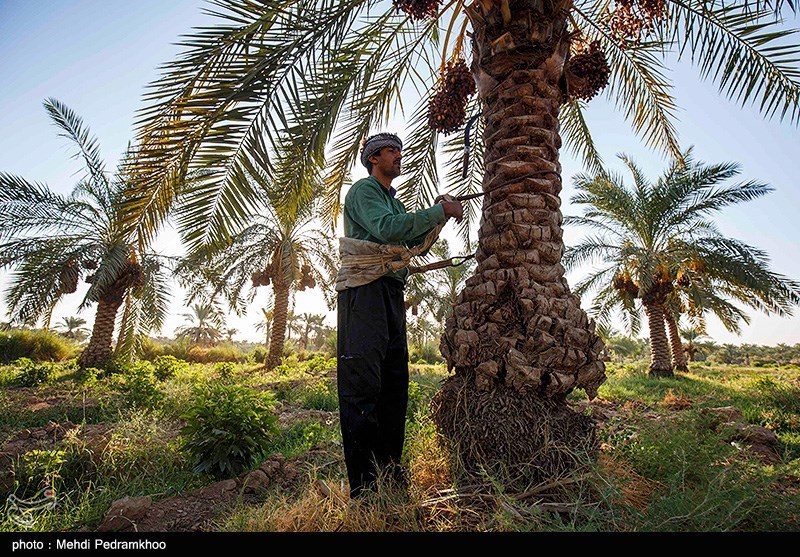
{"type": "Point", "coordinates": [678, 356]}
{"type": "Point", "coordinates": [278, 323]}
{"type": "Point", "coordinates": [660, 365]}
{"type": "Point", "coordinates": [98, 351]}
{"type": "Point", "coordinates": [517, 336]}
{"type": "Point", "coordinates": [690, 351]}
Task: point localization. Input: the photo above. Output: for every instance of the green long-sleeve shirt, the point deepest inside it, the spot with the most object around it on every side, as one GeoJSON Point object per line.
{"type": "Point", "coordinates": [373, 213]}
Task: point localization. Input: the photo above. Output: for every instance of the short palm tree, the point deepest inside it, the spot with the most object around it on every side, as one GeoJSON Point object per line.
{"type": "Point", "coordinates": [204, 324]}
{"type": "Point", "coordinates": [52, 241]}
{"type": "Point", "coordinates": [290, 88]}
{"type": "Point", "coordinates": [661, 250]}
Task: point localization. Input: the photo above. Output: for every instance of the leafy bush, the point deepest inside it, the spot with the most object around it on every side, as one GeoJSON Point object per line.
{"type": "Point", "coordinates": [139, 387]}
{"type": "Point", "coordinates": [258, 355]}
{"type": "Point", "coordinates": [320, 363]}
{"type": "Point", "coordinates": [416, 399]}
{"type": "Point", "coordinates": [32, 373]}
{"type": "Point", "coordinates": [227, 428]}
{"type": "Point", "coordinates": [36, 345]}
{"type": "Point", "coordinates": [225, 370]}
{"type": "Point", "coordinates": [39, 468]}
{"type": "Point", "coordinates": [88, 376]}
{"type": "Point", "coordinates": [167, 367]}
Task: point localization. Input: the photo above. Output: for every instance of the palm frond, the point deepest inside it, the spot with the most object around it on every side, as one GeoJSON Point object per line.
{"type": "Point", "coordinates": [747, 52]}
{"type": "Point", "coordinates": [220, 107]}
{"type": "Point", "coordinates": [577, 136]}
{"type": "Point", "coordinates": [72, 127]}
{"type": "Point", "coordinates": [638, 85]}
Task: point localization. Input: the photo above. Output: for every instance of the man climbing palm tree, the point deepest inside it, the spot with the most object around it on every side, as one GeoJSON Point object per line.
{"type": "Point", "coordinates": [372, 346]}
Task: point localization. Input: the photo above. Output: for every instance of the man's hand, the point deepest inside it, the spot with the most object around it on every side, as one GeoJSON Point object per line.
{"type": "Point", "coordinates": [453, 209]}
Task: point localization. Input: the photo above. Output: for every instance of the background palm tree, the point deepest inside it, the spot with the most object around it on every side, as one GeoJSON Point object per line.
{"type": "Point", "coordinates": [266, 324]}
{"type": "Point", "coordinates": [229, 332]}
{"type": "Point", "coordinates": [279, 248]}
{"type": "Point", "coordinates": [73, 327]}
{"type": "Point", "coordinates": [204, 324]}
{"type": "Point", "coordinates": [661, 250]}
{"type": "Point", "coordinates": [287, 89]}
{"type": "Point", "coordinates": [54, 241]}
{"type": "Point", "coordinates": [309, 324]}
{"type": "Point", "coordinates": [692, 335]}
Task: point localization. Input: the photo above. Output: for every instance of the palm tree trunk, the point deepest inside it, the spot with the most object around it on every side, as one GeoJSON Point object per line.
{"type": "Point", "coordinates": [278, 324]}
{"type": "Point", "coordinates": [516, 331]}
{"type": "Point", "coordinates": [98, 351]}
{"type": "Point", "coordinates": [678, 356]}
{"type": "Point", "coordinates": [660, 365]}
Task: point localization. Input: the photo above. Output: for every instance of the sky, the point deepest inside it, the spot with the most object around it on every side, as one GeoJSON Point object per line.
{"type": "Point", "coordinates": [97, 56]}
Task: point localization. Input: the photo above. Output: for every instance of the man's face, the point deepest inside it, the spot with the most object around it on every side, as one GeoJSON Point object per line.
{"type": "Point", "coordinates": [387, 161]}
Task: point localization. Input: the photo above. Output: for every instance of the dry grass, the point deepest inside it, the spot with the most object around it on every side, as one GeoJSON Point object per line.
{"type": "Point", "coordinates": [671, 401]}
{"type": "Point", "coordinates": [635, 489]}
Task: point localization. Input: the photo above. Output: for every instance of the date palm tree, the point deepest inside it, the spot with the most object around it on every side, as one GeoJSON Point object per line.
{"type": "Point", "coordinates": [53, 241]}
{"type": "Point", "coordinates": [309, 323]}
{"type": "Point", "coordinates": [663, 253]}
{"type": "Point", "coordinates": [280, 248]}
{"type": "Point", "coordinates": [203, 324]}
{"type": "Point", "coordinates": [692, 335]}
{"type": "Point", "coordinates": [265, 324]}
{"type": "Point", "coordinates": [73, 327]}
{"type": "Point", "coordinates": [288, 88]}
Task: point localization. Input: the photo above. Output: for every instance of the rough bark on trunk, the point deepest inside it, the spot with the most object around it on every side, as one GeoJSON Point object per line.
{"type": "Point", "coordinates": [281, 310]}
{"type": "Point", "coordinates": [660, 365]}
{"type": "Point", "coordinates": [98, 351]}
{"type": "Point", "coordinates": [517, 337]}
{"type": "Point", "coordinates": [678, 356]}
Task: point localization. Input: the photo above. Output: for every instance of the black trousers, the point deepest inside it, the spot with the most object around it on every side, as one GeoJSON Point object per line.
{"type": "Point", "coordinates": [372, 378]}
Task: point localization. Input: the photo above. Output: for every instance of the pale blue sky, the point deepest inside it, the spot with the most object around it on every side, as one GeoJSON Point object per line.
{"type": "Point", "coordinates": [97, 56]}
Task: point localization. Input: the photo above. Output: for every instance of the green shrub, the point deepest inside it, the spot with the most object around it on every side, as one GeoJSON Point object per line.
{"type": "Point", "coordinates": [227, 428]}
{"type": "Point", "coordinates": [225, 370]}
{"type": "Point", "coordinates": [329, 346]}
{"type": "Point", "coordinates": [416, 399]}
{"type": "Point", "coordinates": [36, 345]}
{"type": "Point", "coordinates": [32, 373]}
{"type": "Point", "coordinates": [64, 469]}
{"type": "Point", "coordinates": [39, 468]}
{"type": "Point", "coordinates": [320, 363]}
{"type": "Point", "coordinates": [167, 367]}
{"type": "Point", "coordinates": [320, 395]}
{"type": "Point", "coordinates": [258, 355]}
{"type": "Point", "coordinates": [140, 388]}
{"type": "Point", "coordinates": [88, 376]}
